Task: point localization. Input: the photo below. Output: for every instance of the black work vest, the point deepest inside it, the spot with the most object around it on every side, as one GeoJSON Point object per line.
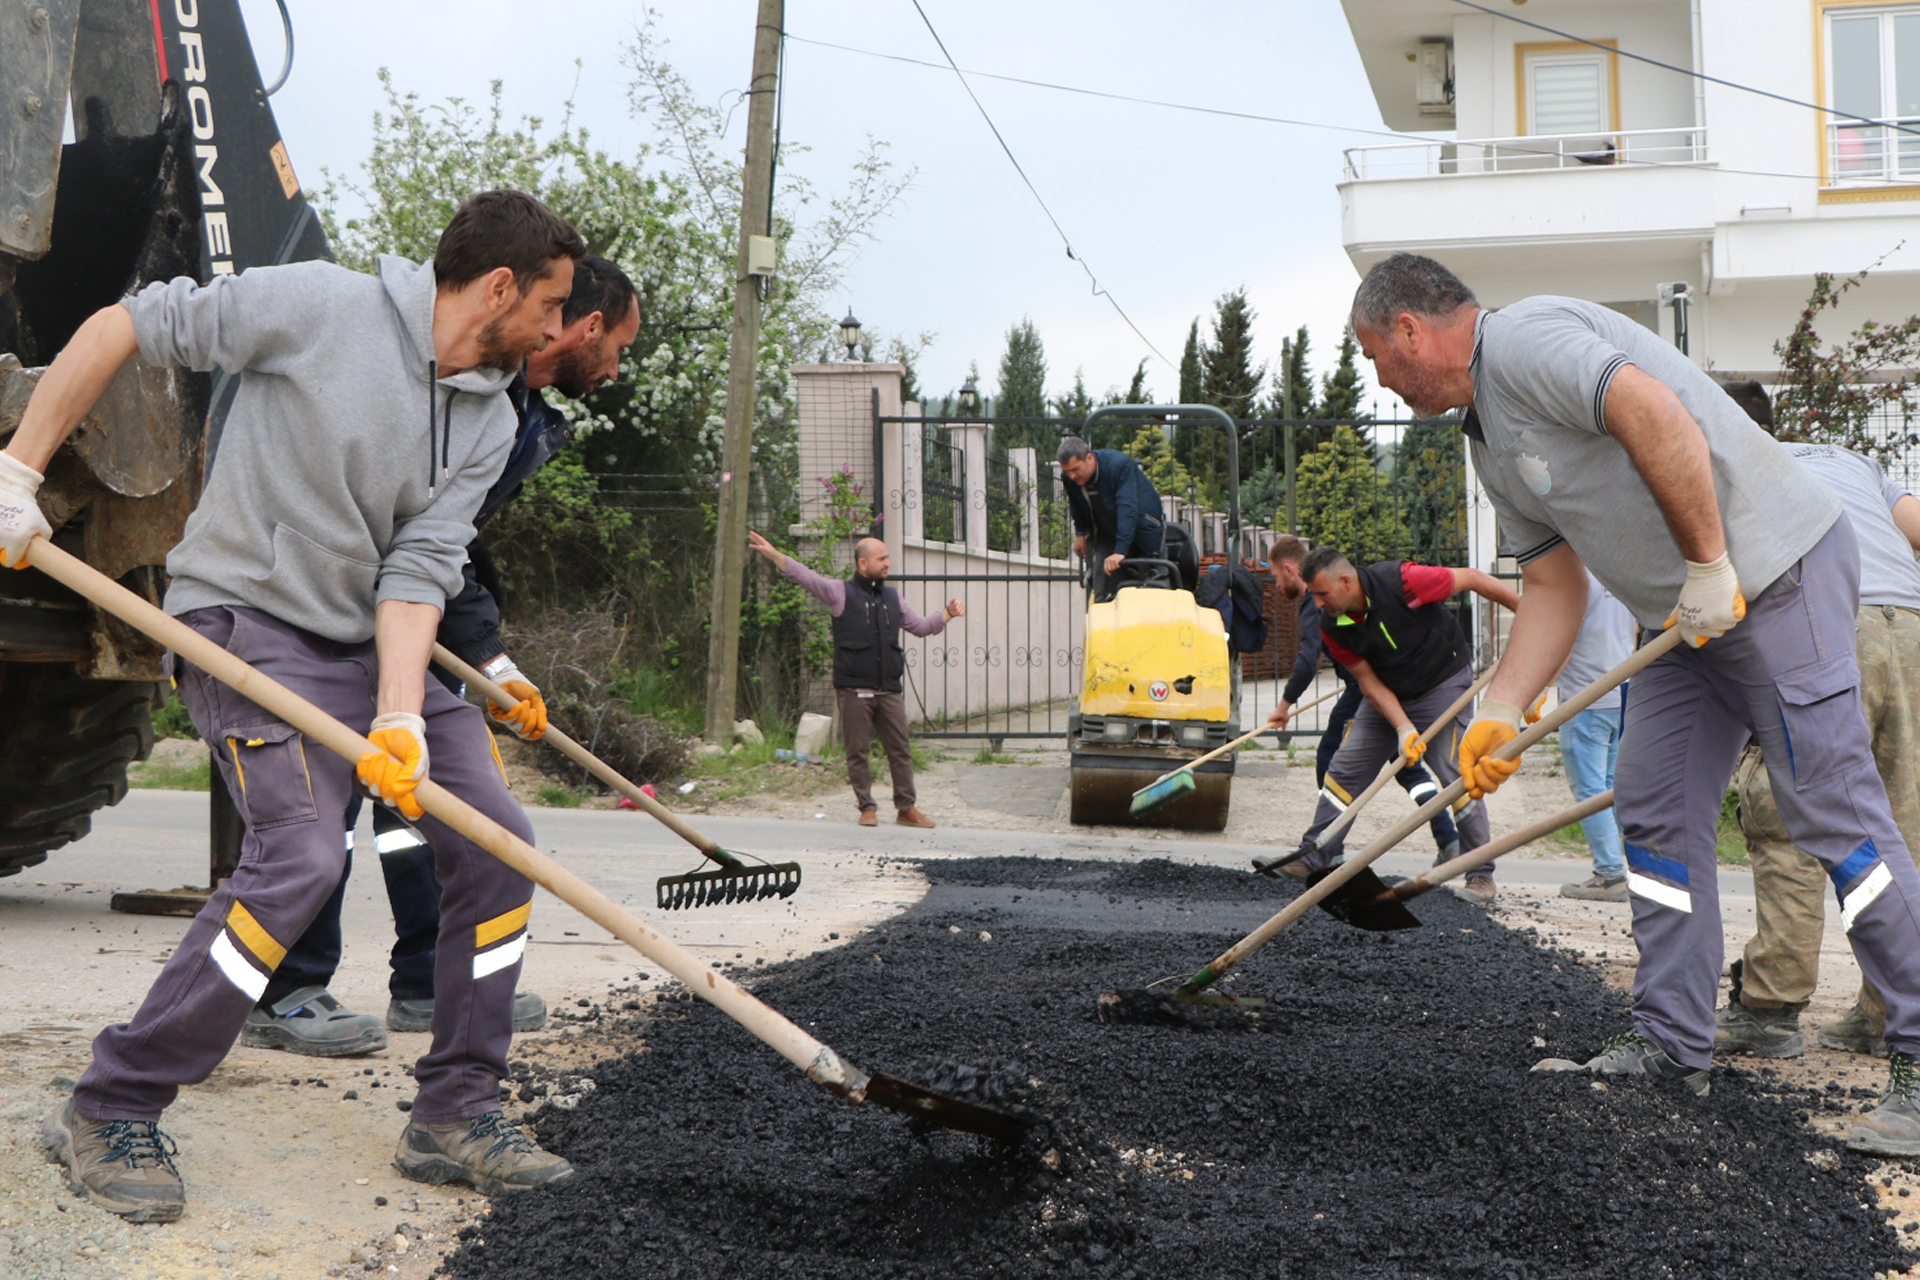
{"type": "Point", "coordinates": [1411, 649]}
{"type": "Point", "coordinates": [867, 653]}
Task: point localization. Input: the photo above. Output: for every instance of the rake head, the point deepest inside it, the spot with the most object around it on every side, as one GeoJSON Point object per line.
{"type": "Point", "coordinates": [728, 884]}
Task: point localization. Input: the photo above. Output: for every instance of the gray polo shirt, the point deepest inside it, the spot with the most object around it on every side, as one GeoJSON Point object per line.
{"type": "Point", "coordinates": [1605, 640]}
{"type": "Point", "coordinates": [1541, 369]}
{"type": "Point", "coordinates": [1888, 572]}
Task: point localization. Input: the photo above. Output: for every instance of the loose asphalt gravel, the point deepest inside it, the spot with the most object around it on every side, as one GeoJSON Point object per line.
{"type": "Point", "coordinates": [1378, 1121]}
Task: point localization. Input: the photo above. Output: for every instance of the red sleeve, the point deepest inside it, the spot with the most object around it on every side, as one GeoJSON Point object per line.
{"type": "Point", "coordinates": [1425, 583]}
{"type": "Point", "coordinates": [1339, 652]}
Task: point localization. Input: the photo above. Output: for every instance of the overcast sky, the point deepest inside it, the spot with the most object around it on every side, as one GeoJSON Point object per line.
{"type": "Point", "coordinates": [1169, 208]}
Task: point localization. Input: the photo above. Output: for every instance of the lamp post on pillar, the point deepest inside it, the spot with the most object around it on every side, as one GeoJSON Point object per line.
{"type": "Point", "coordinates": [850, 336]}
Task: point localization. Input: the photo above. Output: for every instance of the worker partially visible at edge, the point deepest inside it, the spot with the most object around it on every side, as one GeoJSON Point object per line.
{"type": "Point", "coordinates": [297, 1012]}
{"type": "Point", "coordinates": [1603, 448]}
{"type": "Point", "coordinates": [1590, 741]}
{"type": "Point", "coordinates": [1285, 556]}
{"type": "Point", "coordinates": [869, 665]}
{"type": "Point", "coordinates": [331, 532]}
{"type": "Point", "coordinates": [1115, 509]}
{"type": "Point", "coordinates": [1390, 625]}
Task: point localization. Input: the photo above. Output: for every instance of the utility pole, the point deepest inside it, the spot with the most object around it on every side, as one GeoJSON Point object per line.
{"type": "Point", "coordinates": [736, 451]}
{"type": "Point", "coordinates": [1286, 408]}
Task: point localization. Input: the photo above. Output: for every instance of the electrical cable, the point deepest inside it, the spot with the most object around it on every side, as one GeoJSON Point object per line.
{"type": "Point", "coordinates": [1098, 290]}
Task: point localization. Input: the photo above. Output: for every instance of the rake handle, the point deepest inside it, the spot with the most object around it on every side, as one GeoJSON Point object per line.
{"type": "Point", "coordinates": [821, 1063]}
{"type": "Point", "coordinates": [587, 760]}
{"type": "Point", "coordinates": [1352, 867]}
{"type": "Point", "coordinates": [1238, 742]}
{"type": "Point", "coordinates": [1399, 762]}
{"type": "Point", "coordinates": [1473, 859]}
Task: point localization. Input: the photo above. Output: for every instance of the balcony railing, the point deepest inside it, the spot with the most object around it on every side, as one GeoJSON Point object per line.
{"type": "Point", "coordinates": [1531, 154]}
{"type": "Point", "coordinates": [1874, 152]}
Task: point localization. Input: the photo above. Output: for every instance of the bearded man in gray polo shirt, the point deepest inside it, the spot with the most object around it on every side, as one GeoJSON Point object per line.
{"type": "Point", "coordinates": [1604, 448]}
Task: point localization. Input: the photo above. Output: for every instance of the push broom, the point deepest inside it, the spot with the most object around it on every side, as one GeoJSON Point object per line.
{"type": "Point", "coordinates": [735, 881]}
{"type": "Point", "coordinates": [1168, 787]}
{"type": "Point", "coordinates": [820, 1063]}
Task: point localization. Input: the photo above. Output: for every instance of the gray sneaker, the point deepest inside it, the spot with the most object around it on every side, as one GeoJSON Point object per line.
{"type": "Point", "coordinates": [1855, 1033]}
{"type": "Point", "coordinates": [312, 1022]}
{"type": "Point", "coordinates": [1764, 1033]}
{"type": "Point", "coordinates": [1632, 1054]}
{"type": "Point", "coordinates": [124, 1166]}
{"type": "Point", "coordinates": [1892, 1128]}
{"type": "Point", "coordinates": [487, 1152]}
{"type": "Point", "coordinates": [1446, 852]}
{"type": "Point", "coordinates": [1478, 890]}
{"type": "Point", "coordinates": [529, 1013]}
{"type": "Point", "coordinates": [1598, 888]}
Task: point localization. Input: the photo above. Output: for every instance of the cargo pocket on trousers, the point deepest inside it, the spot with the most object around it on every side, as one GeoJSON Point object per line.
{"type": "Point", "coordinates": [270, 762]}
{"type": "Point", "coordinates": [1818, 710]}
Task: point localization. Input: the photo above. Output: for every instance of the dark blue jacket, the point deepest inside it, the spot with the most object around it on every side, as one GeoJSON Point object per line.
{"type": "Point", "coordinates": [1124, 491]}
{"type": "Point", "coordinates": [1307, 662]}
{"type": "Point", "coordinates": [470, 626]}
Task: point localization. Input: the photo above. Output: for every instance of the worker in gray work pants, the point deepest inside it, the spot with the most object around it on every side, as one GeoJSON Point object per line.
{"type": "Point", "coordinates": [1603, 448]}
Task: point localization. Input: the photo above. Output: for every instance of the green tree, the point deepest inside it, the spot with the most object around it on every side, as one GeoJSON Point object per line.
{"type": "Point", "coordinates": [1229, 380]}
{"type": "Point", "coordinates": [1263, 498]}
{"type": "Point", "coordinates": [1293, 373]}
{"type": "Point", "coordinates": [1190, 369]}
{"type": "Point", "coordinates": [1854, 393]}
{"type": "Point", "coordinates": [1430, 484]}
{"type": "Point", "coordinates": [1076, 404]}
{"type": "Point", "coordinates": [1345, 502]}
{"type": "Point", "coordinates": [1340, 391]}
{"type": "Point", "coordinates": [1150, 449]}
{"type": "Point", "coordinates": [1023, 374]}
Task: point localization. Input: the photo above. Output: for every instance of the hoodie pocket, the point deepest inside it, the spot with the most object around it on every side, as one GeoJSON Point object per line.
{"type": "Point", "coordinates": [334, 585]}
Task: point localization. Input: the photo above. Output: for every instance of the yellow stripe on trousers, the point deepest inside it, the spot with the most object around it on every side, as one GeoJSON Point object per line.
{"type": "Point", "coordinates": [500, 926]}
{"type": "Point", "coordinates": [258, 940]}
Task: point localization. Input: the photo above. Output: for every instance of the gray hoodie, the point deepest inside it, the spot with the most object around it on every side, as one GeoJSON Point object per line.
{"type": "Point", "coordinates": [347, 474]}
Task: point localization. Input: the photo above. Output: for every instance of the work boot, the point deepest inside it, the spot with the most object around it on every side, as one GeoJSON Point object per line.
{"type": "Point", "coordinates": [124, 1166]}
{"type": "Point", "coordinates": [1893, 1127]}
{"type": "Point", "coordinates": [486, 1152]}
{"type": "Point", "coordinates": [1270, 864]}
{"type": "Point", "coordinates": [1632, 1054]}
{"type": "Point", "coordinates": [1478, 890]}
{"type": "Point", "coordinates": [1598, 888]}
{"type": "Point", "coordinates": [313, 1023]}
{"type": "Point", "coordinates": [1764, 1033]}
{"type": "Point", "coordinates": [912, 817]}
{"type": "Point", "coordinates": [869, 817]}
{"type": "Point", "coordinates": [1855, 1033]}
{"type": "Point", "coordinates": [529, 1013]}
{"type": "Point", "coordinates": [1447, 852]}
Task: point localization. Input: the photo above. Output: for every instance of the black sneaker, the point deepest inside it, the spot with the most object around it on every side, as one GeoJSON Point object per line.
{"type": "Point", "coordinates": [124, 1166]}
{"type": "Point", "coordinates": [311, 1022]}
{"type": "Point", "coordinates": [1764, 1033]}
{"type": "Point", "coordinates": [487, 1152]}
{"type": "Point", "coordinates": [529, 1013]}
{"type": "Point", "coordinates": [1287, 864]}
{"type": "Point", "coordinates": [1447, 852]}
{"type": "Point", "coordinates": [1893, 1127]}
{"type": "Point", "coordinates": [1632, 1054]}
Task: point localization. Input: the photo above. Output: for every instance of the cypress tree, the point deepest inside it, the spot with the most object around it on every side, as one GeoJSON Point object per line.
{"type": "Point", "coordinates": [1023, 374]}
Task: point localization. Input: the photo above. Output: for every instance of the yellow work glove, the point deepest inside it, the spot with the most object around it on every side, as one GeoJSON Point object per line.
{"type": "Point", "coordinates": [1410, 745]}
{"type": "Point", "coordinates": [527, 717]}
{"type": "Point", "coordinates": [20, 516]}
{"type": "Point", "coordinates": [1710, 601]}
{"type": "Point", "coordinates": [1497, 724]}
{"type": "Point", "coordinates": [393, 771]}
{"type": "Point", "coordinates": [1533, 712]}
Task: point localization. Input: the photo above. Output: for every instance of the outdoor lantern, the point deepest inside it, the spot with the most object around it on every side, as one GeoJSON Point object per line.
{"type": "Point", "coordinates": [850, 333]}
{"type": "Point", "coordinates": [969, 398]}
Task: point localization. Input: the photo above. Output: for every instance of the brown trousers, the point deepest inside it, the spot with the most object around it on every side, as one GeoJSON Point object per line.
{"type": "Point", "coordinates": [1782, 961]}
{"type": "Point", "coordinates": [860, 719]}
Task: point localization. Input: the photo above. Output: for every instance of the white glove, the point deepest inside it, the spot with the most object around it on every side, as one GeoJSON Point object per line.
{"type": "Point", "coordinates": [20, 518]}
{"type": "Point", "coordinates": [1710, 601]}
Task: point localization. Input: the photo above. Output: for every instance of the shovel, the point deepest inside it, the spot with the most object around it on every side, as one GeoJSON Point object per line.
{"type": "Point", "coordinates": [1168, 787]}
{"type": "Point", "coordinates": [1472, 859]}
{"type": "Point", "coordinates": [1338, 878]}
{"type": "Point", "coordinates": [820, 1063]}
{"type": "Point", "coordinates": [735, 881]}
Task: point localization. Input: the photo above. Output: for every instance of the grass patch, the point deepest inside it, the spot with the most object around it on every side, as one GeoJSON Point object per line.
{"type": "Point", "coordinates": [558, 797]}
{"type": "Point", "coordinates": [985, 755]}
{"type": "Point", "coordinates": [197, 776]}
{"type": "Point", "coordinates": [170, 719]}
{"type": "Point", "coordinates": [1730, 848]}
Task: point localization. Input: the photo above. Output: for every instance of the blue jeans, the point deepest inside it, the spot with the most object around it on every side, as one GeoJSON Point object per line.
{"type": "Point", "coordinates": [1589, 747]}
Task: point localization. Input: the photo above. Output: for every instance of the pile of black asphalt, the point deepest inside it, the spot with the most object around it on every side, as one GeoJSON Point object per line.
{"type": "Point", "coordinates": [1378, 1121]}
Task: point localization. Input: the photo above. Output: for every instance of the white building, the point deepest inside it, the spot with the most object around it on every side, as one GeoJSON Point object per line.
{"type": "Point", "coordinates": [1579, 171]}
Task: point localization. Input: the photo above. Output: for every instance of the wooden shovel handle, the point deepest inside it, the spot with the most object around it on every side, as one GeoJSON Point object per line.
{"type": "Point", "coordinates": [820, 1063]}
{"type": "Point", "coordinates": [1474, 859]}
{"type": "Point", "coordinates": [1240, 741]}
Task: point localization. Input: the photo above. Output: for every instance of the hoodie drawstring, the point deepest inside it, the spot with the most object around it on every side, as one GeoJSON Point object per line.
{"type": "Point", "coordinates": [446, 439]}
{"type": "Point", "coordinates": [433, 463]}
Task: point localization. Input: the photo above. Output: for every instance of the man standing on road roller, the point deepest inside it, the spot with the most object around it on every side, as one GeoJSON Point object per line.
{"type": "Point", "coordinates": [1389, 624]}
{"type": "Point", "coordinates": [297, 1012]}
{"type": "Point", "coordinates": [1600, 443]}
{"type": "Point", "coordinates": [322, 554]}
{"type": "Point", "coordinates": [1285, 556]}
{"type": "Point", "coordinates": [1115, 509]}
{"type": "Point", "coordinates": [869, 665]}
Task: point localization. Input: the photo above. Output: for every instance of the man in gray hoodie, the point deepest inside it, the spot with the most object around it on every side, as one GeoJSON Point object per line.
{"type": "Point", "coordinates": [322, 553]}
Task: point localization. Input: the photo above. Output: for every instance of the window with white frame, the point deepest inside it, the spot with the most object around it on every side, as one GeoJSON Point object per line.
{"type": "Point", "coordinates": [1873, 72]}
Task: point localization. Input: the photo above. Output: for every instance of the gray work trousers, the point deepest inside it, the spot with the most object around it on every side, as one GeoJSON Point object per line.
{"type": "Point", "coordinates": [1371, 742]}
{"type": "Point", "coordinates": [293, 791]}
{"type": "Point", "coordinates": [1786, 676]}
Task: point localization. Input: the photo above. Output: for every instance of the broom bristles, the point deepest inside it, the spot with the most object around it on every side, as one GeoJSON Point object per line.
{"type": "Point", "coordinates": [1161, 793]}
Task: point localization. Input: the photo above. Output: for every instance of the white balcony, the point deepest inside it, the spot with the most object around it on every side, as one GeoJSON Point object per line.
{"type": "Point", "coordinates": [1626, 148]}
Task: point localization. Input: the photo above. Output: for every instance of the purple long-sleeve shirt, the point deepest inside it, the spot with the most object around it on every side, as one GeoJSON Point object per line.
{"type": "Point", "coordinates": [832, 592]}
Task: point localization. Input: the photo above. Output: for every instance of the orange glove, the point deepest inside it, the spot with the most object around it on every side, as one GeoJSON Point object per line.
{"type": "Point", "coordinates": [1497, 724]}
{"type": "Point", "coordinates": [1410, 745]}
{"type": "Point", "coordinates": [1710, 601]}
{"type": "Point", "coordinates": [20, 516]}
{"type": "Point", "coordinates": [396, 769]}
{"type": "Point", "coordinates": [527, 717]}
{"type": "Point", "coordinates": [1533, 712]}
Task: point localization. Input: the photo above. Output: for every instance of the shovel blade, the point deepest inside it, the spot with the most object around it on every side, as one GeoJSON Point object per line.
{"type": "Point", "coordinates": [1357, 902]}
{"type": "Point", "coordinates": [922, 1103]}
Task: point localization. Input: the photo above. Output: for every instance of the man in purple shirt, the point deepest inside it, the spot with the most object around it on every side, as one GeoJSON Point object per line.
{"type": "Point", "coordinates": [868, 665]}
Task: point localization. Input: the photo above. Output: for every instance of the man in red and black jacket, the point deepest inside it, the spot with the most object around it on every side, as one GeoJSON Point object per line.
{"type": "Point", "coordinates": [1389, 625]}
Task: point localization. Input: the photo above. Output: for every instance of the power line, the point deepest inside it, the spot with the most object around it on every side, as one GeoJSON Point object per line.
{"type": "Point", "coordinates": [1038, 199]}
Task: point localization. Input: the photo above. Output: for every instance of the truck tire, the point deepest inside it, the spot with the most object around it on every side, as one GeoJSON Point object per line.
{"type": "Point", "coordinates": [65, 753]}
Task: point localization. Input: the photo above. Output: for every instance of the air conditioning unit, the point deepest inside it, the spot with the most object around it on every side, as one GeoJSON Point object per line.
{"type": "Point", "coordinates": [1433, 78]}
